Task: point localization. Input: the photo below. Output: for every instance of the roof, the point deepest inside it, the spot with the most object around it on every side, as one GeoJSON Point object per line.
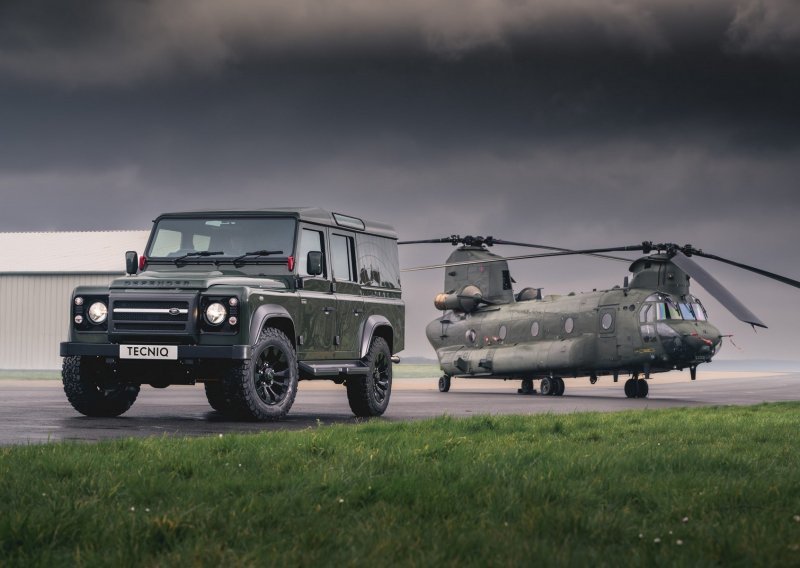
{"type": "Point", "coordinates": [68, 252]}
{"type": "Point", "coordinates": [307, 214]}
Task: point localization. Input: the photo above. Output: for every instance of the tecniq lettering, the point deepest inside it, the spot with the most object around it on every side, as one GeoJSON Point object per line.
{"type": "Point", "coordinates": [136, 351]}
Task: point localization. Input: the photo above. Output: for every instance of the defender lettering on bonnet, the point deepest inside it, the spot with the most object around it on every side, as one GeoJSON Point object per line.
{"type": "Point", "coordinates": [248, 303]}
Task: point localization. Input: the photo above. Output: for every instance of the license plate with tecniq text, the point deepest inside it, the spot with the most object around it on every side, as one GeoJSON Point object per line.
{"type": "Point", "coordinates": [148, 352]}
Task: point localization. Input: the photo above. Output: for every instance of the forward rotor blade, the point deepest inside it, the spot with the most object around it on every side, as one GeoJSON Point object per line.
{"type": "Point", "coordinates": [545, 247]}
{"type": "Point", "coordinates": [526, 256]}
{"type": "Point", "coordinates": [713, 287]}
{"type": "Point", "coordinates": [772, 275]}
{"type": "Point", "coordinates": [426, 241]}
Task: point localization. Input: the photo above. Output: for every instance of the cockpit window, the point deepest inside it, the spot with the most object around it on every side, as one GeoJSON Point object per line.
{"type": "Point", "coordinates": [686, 312]}
{"type": "Point", "coordinates": [699, 311]}
{"type": "Point", "coordinates": [668, 310]}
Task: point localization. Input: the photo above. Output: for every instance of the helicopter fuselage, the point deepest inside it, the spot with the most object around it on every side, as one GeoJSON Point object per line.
{"type": "Point", "coordinates": [589, 334]}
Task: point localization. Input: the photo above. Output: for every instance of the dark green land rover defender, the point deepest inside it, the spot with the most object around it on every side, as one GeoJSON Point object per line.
{"type": "Point", "coordinates": [248, 303]}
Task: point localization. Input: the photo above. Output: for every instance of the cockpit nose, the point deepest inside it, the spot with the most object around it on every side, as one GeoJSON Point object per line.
{"type": "Point", "coordinates": [689, 342]}
{"type": "Point", "coordinates": [705, 341]}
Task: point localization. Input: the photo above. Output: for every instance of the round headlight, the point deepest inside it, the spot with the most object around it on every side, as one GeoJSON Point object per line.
{"type": "Point", "coordinates": [98, 312]}
{"type": "Point", "coordinates": [215, 313]}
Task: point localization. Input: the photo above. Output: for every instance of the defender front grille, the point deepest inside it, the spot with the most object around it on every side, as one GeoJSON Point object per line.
{"type": "Point", "coordinates": [143, 315]}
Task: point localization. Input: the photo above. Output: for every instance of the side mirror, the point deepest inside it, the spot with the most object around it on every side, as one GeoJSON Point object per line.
{"type": "Point", "coordinates": [314, 263]}
{"type": "Point", "coordinates": [131, 262]}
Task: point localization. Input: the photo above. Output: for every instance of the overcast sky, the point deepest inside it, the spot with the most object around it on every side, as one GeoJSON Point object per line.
{"type": "Point", "coordinates": [573, 123]}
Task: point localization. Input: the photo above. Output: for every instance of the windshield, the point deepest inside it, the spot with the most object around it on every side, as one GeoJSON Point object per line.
{"type": "Point", "coordinates": [223, 237]}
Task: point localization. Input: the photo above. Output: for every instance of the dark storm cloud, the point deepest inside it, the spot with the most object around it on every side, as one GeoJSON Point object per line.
{"type": "Point", "coordinates": [123, 42]}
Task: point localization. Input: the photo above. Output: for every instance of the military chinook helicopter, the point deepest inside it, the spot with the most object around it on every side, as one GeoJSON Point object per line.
{"type": "Point", "coordinates": [651, 324]}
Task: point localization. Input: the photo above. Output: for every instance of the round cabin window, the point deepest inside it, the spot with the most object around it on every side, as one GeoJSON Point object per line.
{"type": "Point", "coordinates": [501, 333]}
{"type": "Point", "coordinates": [471, 336]}
{"type": "Point", "coordinates": [607, 321]}
{"type": "Point", "coordinates": [535, 329]}
{"type": "Point", "coordinates": [569, 325]}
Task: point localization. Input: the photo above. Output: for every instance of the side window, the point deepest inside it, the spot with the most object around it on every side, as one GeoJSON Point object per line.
{"type": "Point", "coordinates": [378, 262]}
{"type": "Point", "coordinates": [310, 240]}
{"type": "Point", "coordinates": [342, 257]}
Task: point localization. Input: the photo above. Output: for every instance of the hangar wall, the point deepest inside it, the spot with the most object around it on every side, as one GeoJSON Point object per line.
{"type": "Point", "coordinates": [34, 317]}
{"type": "Point", "coordinates": [38, 272]}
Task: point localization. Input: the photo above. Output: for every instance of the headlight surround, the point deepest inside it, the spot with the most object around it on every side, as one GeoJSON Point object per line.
{"type": "Point", "coordinates": [98, 313]}
{"type": "Point", "coordinates": [216, 313]}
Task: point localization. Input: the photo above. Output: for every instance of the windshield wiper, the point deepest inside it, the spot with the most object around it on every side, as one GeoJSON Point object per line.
{"type": "Point", "coordinates": [256, 253]}
{"type": "Point", "coordinates": [197, 253]}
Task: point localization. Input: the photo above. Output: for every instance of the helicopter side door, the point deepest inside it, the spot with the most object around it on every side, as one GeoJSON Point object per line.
{"type": "Point", "coordinates": [607, 344]}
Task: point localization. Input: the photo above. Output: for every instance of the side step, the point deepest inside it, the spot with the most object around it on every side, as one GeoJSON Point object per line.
{"type": "Point", "coordinates": [328, 369]}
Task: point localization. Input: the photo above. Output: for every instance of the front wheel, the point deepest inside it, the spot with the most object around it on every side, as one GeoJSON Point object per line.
{"type": "Point", "coordinates": [91, 389]}
{"type": "Point", "coordinates": [264, 387]}
{"type": "Point", "coordinates": [369, 395]}
{"type": "Point", "coordinates": [444, 383]}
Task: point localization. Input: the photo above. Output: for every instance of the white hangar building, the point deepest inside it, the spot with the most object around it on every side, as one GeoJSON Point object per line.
{"type": "Point", "coordinates": [37, 274]}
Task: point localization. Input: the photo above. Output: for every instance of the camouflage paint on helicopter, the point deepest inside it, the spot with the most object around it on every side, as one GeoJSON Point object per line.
{"type": "Point", "coordinates": [652, 325]}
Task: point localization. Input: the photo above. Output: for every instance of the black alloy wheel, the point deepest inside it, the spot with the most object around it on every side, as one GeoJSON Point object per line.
{"type": "Point", "coordinates": [271, 375]}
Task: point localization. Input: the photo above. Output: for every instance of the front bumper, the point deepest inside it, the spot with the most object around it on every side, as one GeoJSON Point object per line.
{"type": "Point", "coordinates": [232, 352]}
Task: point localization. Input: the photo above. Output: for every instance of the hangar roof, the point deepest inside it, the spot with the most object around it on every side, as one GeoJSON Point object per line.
{"type": "Point", "coordinates": [68, 252]}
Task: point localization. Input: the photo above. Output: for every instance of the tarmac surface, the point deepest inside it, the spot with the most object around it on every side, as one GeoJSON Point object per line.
{"type": "Point", "coordinates": [36, 411]}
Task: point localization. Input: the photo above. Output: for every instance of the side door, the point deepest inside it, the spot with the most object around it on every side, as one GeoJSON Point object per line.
{"type": "Point", "coordinates": [607, 347]}
{"type": "Point", "coordinates": [349, 301]}
{"type": "Point", "coordinates": [317, 302]}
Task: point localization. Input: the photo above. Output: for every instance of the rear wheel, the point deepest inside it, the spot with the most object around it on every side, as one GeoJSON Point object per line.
{"type": "Point", "coordinates": [559, 389]}
{"type": "Point", "coordinates": [264, 387]}
{"type": "Point", "coordinates": [547, 386]}
{"type": "Point", "coordinates": [636, 388]}
{"type": "Point", "coordinates": [92, 390]}
{"type": "Point", "coordinates": [369, 395]}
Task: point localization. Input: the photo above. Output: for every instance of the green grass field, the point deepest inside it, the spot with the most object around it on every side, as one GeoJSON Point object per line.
{"type": "Point", "coordinates": [675, 487]}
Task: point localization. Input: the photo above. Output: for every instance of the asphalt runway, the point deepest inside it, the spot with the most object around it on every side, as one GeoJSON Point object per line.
{"type": "Point", "coordinates": [36, 411]}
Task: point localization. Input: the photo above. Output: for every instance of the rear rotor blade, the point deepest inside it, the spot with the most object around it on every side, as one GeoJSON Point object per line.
{"type": "Point", "coordinates": [559, 249]}
{"type": "Point", "coordinates": [713, 287]}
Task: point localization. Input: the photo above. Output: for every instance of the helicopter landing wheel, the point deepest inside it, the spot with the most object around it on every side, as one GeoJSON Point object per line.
{"type": "Point", "coordinates": [526, 387]}
{"type": "Point", "coordinates": [559, 386]}
{"type": "Point", "coordinates": [444, 383]}
{"type": "Point", "coordinates": [636, 388]}
{"type": "Point", "coordinates": [547, 386]}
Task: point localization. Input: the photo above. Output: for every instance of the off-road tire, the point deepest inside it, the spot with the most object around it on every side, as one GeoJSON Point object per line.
{"type": "Point", "coordinates": [91, 389]}
{"type": "Point", "coordinates": [217, 396]}
{"type": "Point", "coordinates": [264, 386]}
{"type": "Point", "coordinates": [369, 395]}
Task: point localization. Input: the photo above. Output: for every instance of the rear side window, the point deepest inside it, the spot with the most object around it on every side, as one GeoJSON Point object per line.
{"type": "Point", "coordinates": [378, 264]}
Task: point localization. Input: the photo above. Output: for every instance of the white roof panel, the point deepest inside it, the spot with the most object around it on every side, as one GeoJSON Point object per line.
{"type": "Point", "coordinates": [68, 252]}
